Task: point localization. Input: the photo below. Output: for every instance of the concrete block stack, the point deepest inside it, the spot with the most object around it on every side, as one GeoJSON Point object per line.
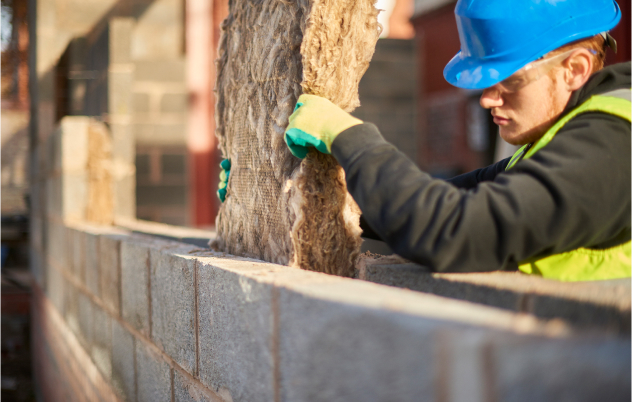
{"type": "Point", "coordinates": [120, 84]}
{"type": "Point", "coordinates": [99, 64]}
{"type": "Point", "coordinates": [160, 126]}
{"type": "Point", "coordinates": [160, 100]}
{"type": "Point", "coordinates": [199, 325]}
{"type": "Point", "coordinates": [387, 93]}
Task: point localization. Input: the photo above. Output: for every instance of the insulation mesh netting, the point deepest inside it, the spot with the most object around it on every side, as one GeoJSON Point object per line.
{"type": "Point", "coordinates": [279, 208]}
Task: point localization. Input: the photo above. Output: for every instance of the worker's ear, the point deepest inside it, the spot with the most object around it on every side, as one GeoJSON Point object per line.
{"type": "Point", "coordinates": [577, 69]}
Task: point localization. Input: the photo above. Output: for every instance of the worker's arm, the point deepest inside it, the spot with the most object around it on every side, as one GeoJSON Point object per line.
{"type": "Point", "coordinates": [466, 181]}
{"type": "Point", "coordinates": [473, 178]}
{"type": "Point", "coordinates": [574, 192]}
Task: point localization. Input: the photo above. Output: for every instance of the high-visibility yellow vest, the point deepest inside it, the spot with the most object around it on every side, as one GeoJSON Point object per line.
{"type": "Point", "coordinates": [582, 264]}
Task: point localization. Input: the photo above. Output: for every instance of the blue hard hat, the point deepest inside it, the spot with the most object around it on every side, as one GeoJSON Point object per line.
{"type": "Point", "coordinates": [498, 37]}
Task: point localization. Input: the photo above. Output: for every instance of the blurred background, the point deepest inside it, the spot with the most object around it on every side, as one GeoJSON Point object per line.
{"type": "Point", "coordinates": [145, 69]}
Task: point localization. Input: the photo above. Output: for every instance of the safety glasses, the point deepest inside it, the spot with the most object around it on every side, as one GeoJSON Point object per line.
{"type": "Point", "coordinates": [531, 72]}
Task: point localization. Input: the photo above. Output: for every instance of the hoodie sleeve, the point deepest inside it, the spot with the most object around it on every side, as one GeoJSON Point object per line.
{"type": "Point", "coordinates": [574, 192]}
{"type": "Point", "coordinates": [473, 178]}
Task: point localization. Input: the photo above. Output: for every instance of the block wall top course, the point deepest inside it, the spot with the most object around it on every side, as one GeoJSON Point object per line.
{"type": "Point", "coordinates": [348, 291]}
{"type": "Point", "coordinates": [377, 297]}
{"type": "Point", "coordinates": [380, 298]}
{"type": "Point", "coordinates": [612, 292]}
{"type": "Point", "coordinates": [499, 286]}
{"type": "Point", "coordinates": [596, 304]}
{"type": "Point", "coordinates": [196, 237]}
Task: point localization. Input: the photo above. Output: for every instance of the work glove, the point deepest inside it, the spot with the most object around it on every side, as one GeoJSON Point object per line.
{"type": "Point", "coordinates": [316, 122]}
{"type": "Point", "coordinates": [223, 179]}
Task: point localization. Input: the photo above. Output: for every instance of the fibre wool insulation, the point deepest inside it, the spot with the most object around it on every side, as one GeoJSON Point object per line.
{"type": "Point", "coordinates": [279, 208]}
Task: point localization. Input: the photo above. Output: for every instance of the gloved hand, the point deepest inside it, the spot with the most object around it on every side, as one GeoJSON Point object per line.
{"type": "Point", "coordinates": [223, 179]}
{"type": "Point", "coordinates": [316, 122]}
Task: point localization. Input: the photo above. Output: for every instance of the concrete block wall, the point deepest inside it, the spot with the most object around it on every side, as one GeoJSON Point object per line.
{"type": "Point", "coordinates": [160, 100]}
{"type": "Point", "coordinates": [121, 76]}
{"type": "Point", "coordinates": [146, 312]}
{"type": "Point", "coordinates": [162, 175]}
{"type": "Point", "coordinates": [196, 325]}
{"type": "Point", "coordinates": [99, 76]}
{"type": "Point", "coordinates": [595, 305]}
{"type": "Point", "coordinates": [387, 94]}
{"type": "Point", "coordinates": [73, 181]}
{"type": "Point", "coordinates": [127, 68]}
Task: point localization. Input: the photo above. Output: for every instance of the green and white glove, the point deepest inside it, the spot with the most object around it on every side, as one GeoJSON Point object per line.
{"type": "Point", "coordinates": [223, 179]}
{"type": "Point", "coordinates": [316, 122]}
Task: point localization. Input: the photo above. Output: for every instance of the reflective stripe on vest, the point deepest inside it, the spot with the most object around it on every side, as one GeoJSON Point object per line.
{"type": "Point", "coordinates": [582, 264]}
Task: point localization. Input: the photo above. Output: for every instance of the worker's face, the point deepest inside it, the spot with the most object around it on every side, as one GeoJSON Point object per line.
{"type": "Point", "coordinates": [528, 103]}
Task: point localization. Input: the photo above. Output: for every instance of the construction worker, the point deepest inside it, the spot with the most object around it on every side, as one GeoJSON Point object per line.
{"type": "Point", "coordinates": [560, 207]}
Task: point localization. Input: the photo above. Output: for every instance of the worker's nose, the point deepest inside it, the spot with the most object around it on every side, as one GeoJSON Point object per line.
{"type": "Point", "coordinates": [491, 98]}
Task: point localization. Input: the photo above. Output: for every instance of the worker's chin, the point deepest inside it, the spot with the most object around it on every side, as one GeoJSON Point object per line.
{"type": "Point", "coordinates": [524, 132]}
{"type": "Point", "coordinates": [511, 136]}
{"type": "Point", "coordinates": [518, 135]}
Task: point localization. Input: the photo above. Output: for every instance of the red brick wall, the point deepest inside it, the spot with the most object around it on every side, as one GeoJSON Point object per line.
{"type": "Point", "coordinates": [443, 144]}
{"type": "Point", "coordinates": [622, 35]}
{"type": "Point", "coordinates": [438, 41]}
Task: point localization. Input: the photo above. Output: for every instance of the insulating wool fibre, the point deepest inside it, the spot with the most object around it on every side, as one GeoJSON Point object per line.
{"type": "Point", "coordinates": [279, 208]}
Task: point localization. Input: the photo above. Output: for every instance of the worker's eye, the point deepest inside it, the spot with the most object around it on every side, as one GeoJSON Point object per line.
{"type": "Point", "coordinates": [513, 83]}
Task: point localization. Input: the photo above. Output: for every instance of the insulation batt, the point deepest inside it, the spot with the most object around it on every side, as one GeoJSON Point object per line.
{"type": "Point", "coordinates": [279, 208]}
